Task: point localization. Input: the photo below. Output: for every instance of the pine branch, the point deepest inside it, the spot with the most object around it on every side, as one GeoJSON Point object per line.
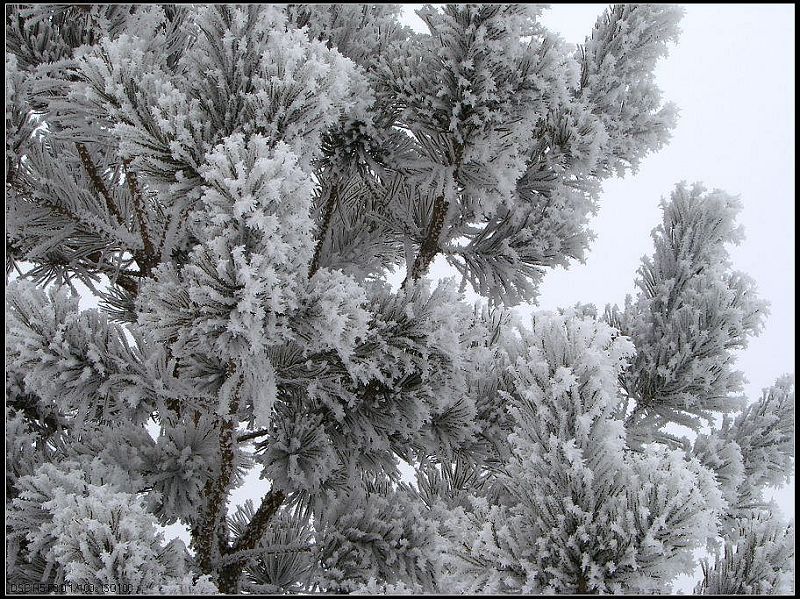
{"type": "Point", "coordinates": [430, 245]}
{"type": "Point", "coordinates": [230, 573]}
{"type": "Point", "coordinates": [173, 403]}
{"type": "Point", "coordinates": [209, 536]}
{"type": "Point", "coordinates": [327, 213]}
{"type": "Point", "coordinates": [128, 284]}
{"type": "Point", "coordinates": [26, 194]}
{"type": "Point", "coordinates": [148, 258]}
{"type": "Point", "coordinates": [122, 277]}
{"type": "Point", "coordinates": [257, 525]}
{"type": "Point", "coordinates": [97, 181]}
{"type": "Point", "coordinates": [244, 437]}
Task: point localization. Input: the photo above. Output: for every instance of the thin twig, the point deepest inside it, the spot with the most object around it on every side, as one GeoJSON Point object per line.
{"type": "Point", "coordinates": [327, 212]}
{"type": "Point", "coordinates": [148, 259]}
{"type": "Point", "coordinates": [430, 245]}
{"type": "Point", "coordinates": [97, 181]}
{"type": "Point", "coordinates": [252, 435]}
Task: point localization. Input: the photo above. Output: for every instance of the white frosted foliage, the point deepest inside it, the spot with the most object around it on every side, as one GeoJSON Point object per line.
{"type": "Point", "coordinates": [255, 203]}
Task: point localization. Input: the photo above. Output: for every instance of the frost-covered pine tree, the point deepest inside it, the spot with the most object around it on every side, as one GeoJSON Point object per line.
{"type": "Point", "coordinates": [238, 185]}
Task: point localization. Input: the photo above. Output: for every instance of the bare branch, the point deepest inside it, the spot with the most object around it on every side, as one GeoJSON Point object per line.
{"type": "Point", "coordinates": [251, 435]}
{"type": "Point", "coordinates": [229, 576]}
{"type": "Point", "coordinates": [327, 213]}
{"type": "Point", "coordinates": [97, 181]}
{"type": "Point", "coordinates": [430, 245]}
{"type": "Point", "coordinates": [148, 258]}
{"type": "Point", "coordinates": [210, 536]}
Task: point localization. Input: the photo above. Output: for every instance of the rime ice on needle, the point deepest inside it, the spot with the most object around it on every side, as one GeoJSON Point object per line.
{"type": "Point", "coordinates": [236, 183]}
